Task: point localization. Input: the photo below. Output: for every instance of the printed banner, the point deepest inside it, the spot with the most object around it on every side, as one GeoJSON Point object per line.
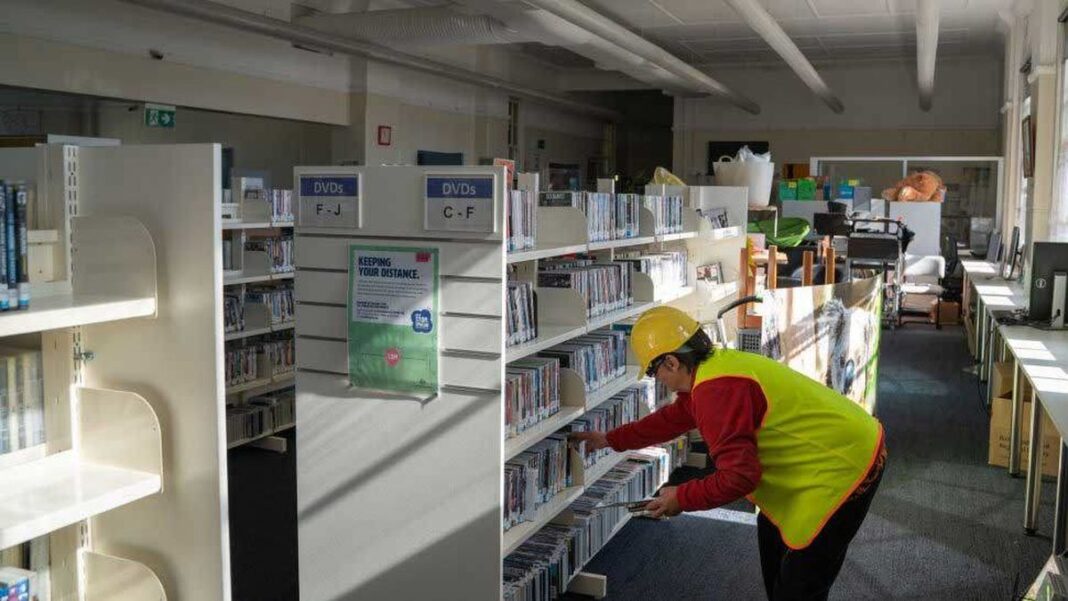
{"type": "Point", "coordinates": [393, 318]}
{"type": "Point", "coordinates": [829, 333]}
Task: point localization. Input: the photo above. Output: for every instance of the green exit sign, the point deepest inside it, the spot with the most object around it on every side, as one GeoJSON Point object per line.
{"type": "Point", "coordinates": [159, 115]}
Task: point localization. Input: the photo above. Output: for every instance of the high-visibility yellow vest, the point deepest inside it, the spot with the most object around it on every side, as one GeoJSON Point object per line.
{"type": "Point", "coordinates": [815, 446]}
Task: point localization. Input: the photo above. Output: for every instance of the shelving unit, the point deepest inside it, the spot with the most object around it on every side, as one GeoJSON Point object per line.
{"type": "Point", "coordinates": [255, 267]}
{"type": "Point", "coordinates": [354, 443]}
{"type": "Point", "coordinates": [125, 321]}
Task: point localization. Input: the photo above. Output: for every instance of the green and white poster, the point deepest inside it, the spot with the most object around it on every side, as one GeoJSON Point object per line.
{"type": "Point", "coordinates": [393, 318]}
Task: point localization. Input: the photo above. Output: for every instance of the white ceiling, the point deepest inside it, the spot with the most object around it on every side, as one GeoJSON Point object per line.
{"type": "Point", "coordinates": [709, 31]}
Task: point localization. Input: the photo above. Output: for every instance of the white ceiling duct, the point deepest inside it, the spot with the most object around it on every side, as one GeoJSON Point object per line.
{"type": "Point", "coordinates": [313, 38]}
{"type": "Point", "coordinates": [926, 49]}
{"type": "Point", "coordinates": [418, 27]}
{"type": "Point", "coordinates": [692, 79]}
{"type": "Point", "coordinates": [766, 27]}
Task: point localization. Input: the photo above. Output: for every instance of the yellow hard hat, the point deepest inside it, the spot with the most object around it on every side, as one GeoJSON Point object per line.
{"type": "Point", "coordinates": [660, 330]}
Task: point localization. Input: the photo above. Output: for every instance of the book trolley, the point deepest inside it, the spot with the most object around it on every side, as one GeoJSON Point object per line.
{"type": "Point", "coordinates": [126, 496]}
{"type": "Point", "coordinates": [400, 492]}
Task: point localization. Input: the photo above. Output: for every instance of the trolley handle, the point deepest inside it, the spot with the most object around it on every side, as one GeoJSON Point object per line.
{"type": "Point", "coordinates": [745, 300]}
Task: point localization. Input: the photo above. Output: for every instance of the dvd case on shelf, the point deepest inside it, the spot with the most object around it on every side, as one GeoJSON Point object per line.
{"type": "Point", "coordinates": [233, 311]}
{"type": "Point", "coordinates": [522, 319]}
{"type": "Point", "coordinates": [14, 246]}
{"type": "Point", "coordinates": [534, 477]}
{"type": "Point", "coordinates": [281, 202]}
{"type": "Point", "coordinates": [522, 220]}
{"type": "Point", "coordinates": [667, 213]}
{"type": "Point", "coordinates": [598, 357]}
{"type": "Point", "coordinates": [531, 393]}
{"type": "Point", "coordinates": [278, 301]}
{"type": "Point", "coordinates": [22, 419]}
{"type": "Point", "coordinates": [543, 566]}
{"type": "Point", "coordinates": [620, 409]}
{"type": "Point", "coordinates": [279, 250]}
{"type": "Point", "coordinates": [606, 287]}
{"type": "Point", "coordinates": [260, 415]}
{"type": "Point", "coordinates": [668, 270]}
{"type": "Point", "coordinates": [608, 216]}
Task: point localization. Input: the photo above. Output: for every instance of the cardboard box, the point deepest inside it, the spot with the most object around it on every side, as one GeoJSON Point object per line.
{"type": "Point", "coordinates": [1000, 428]}
{"type": "Point", "coordinates": [949, 313]}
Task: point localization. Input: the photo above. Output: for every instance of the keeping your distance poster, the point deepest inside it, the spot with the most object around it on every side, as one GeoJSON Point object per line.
{"type": "Point", "coordinates": [393, 319]}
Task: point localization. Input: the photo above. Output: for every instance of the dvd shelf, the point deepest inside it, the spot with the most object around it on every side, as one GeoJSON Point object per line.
{"type": "Point", "coordinates": [260, 416]}
{"type": "Point", "coordinates": [552, 558]}
{"type": "Point", "coordinates": [562, 293]}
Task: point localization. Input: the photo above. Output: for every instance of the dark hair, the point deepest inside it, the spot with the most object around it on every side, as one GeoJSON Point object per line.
{"type": "Point", "coordinates": [695, 351]}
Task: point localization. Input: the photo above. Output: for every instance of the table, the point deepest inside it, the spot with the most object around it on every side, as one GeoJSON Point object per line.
{"type": "Point", "coordinates": [1039, 356]}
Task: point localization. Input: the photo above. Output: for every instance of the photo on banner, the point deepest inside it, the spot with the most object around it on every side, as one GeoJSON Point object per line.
{"type": "Point", "coordinates": [393, 319]}
{"type": "Point", "coordinates": [829, 333]}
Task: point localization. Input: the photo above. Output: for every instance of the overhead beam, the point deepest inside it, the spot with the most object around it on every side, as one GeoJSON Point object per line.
{"type": "Point", "coordinates": [926, 49]}
{"type": "Point", "coordinates": [761, 22]}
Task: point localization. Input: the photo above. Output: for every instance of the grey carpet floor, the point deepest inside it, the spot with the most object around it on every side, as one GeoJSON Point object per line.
{"type": "Point", "coordinates": [944, 524]}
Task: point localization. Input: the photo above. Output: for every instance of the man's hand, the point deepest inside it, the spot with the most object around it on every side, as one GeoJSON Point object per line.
{"type": "Point", "coordinates": [666, 504]}
{"type": "Point", "coordinates": [593, 440]}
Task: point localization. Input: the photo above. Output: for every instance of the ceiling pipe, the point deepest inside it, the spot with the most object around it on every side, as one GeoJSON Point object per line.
{"type": "Point", "coordinates": [416, 27]}
{"type": "Point", "coordinates": [313, 38]}
{"type": "Point", "coordinates": [926, 49]}
{"type": "Point", "coordinates": [766, 27]}
{"type": "Point", "coordinates": [606, 28]}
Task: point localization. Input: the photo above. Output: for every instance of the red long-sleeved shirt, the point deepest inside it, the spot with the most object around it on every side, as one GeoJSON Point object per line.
{"type": "Point", "coordinates": [727, 411]}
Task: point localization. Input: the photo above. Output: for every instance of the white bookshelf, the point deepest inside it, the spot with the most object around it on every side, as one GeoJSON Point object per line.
{"type": "Point", "coordinates": [355, 443]}
{"type": "Point", "coordinates": [121, 276]}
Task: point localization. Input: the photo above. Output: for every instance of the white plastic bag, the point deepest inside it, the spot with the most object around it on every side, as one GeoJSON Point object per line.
{"type": "Point", "coordinates": [744, 154]}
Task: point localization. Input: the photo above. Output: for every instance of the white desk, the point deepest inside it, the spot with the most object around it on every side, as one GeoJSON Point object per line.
{"type": "Point", "coordinates": [991, 293]}
{"type": "Point", "coordinates": [1041, 356]}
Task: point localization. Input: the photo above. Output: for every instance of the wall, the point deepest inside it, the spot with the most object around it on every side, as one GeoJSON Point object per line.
{"type": "Point", "coordinates": [100, 48]}
{"type": "Point", "coordinates": [261, 143]}
{"type": "Point", "coordinates": [882, 114]}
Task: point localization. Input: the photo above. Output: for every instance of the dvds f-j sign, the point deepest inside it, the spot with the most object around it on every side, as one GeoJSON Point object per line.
{"type": "Point", "coordinates": [330, 200]}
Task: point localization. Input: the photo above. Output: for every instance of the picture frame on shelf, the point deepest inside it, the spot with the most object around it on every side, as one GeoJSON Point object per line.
{"type": "Point", "coordinates": [711, 273]}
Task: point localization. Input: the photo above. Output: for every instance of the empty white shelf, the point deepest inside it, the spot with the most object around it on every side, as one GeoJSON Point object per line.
{"type": "Point", "coordinates": [48, 494]}
{"type": "Point", "coordinates": [519, 533]}
{"type": "Point", "coordinates": [517, 444]}
{"type": "Point", "coordinates": [65, 311]}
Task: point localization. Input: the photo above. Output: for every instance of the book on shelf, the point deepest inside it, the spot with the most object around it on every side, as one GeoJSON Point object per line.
{"type": "Point", "coordinates": [522, 317]}
{"type": "Point", "coordinates": [14, 246]}
{"type": "Point", "coordinates": [521, 220]}
{"type": "Point", "coordinates": [22, 422]}
{"type": "Point", "coordinates": [531, 393]}
{"type": "Point", "coordinates": [25, 571]}
{"type": "Point", "coordinates": [533, 477]}
{"type": "Point", "coordinates": [598, 357]}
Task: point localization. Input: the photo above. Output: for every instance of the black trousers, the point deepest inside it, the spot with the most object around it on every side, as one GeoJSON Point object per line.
{"type": "Point", "coordinates": [808, 574]}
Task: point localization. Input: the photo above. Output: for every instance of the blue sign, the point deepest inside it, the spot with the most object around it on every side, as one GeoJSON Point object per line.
{"type": "Point", "coordinates": [460, 187]}
{"type": "Point", "coordinates": [323, 185]}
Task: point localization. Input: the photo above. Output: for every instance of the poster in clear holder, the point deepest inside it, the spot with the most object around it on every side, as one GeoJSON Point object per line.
{"type": "Point", "coordinates": [393, 319]}
{"type": "Point", "coordinates": [829, 333]}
